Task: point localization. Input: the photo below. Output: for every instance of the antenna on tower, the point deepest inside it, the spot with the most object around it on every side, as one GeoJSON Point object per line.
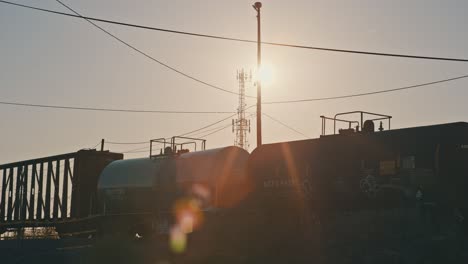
{"type": "Point", "coordinates": [241, 125]}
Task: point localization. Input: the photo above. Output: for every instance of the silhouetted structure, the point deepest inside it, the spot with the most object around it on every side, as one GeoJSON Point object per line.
{"type": "Point", "coordinates": [241, 125]}
{"type": "Point", "coordinates": [51, 191]}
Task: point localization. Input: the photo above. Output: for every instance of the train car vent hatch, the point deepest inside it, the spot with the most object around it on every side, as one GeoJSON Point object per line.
{"type": "Point", "coordinates": [357, 121]}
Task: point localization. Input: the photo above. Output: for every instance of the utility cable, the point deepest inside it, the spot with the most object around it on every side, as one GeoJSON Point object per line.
{"type": "Point", "coordinates": [135, 152]}
{"type": "Point", "coordinates": [199, 131]}
{"type": "Point", "coordinates": [285, 125]}
{"type": "Point", "coordinates": [212, 124]}
{"type": "Point", "coordinates": [365, 94]}
{"type": "Point", "coordinates": [206, 131]}
{"type": "Point", "coordinates": [239, 39]}
{"type": "Point", "coordinates": [113, 109]}
{"type": "Point", "coordinates": [146, 54]}
{"type": "Point", "coordinates": [127, 143]}
{"type": "Point", "coordinates": [136, 149]}
{"type": "Point", "coordinates": [209, 125]}
{"type": "Point", "coordinates": [224, 112]}
{"type": "Point", "coordinates": [220, 129]}
{"type": "Point", "coordinates": [216, 131]}
{"type": "Point", "coordinates": [96, 145]}
{"type": "Point", "coordinates": [191, 133]}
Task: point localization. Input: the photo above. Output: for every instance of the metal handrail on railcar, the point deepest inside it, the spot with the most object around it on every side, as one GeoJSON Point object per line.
{"type": "Point", "coordinates": [360, 123]}
{"type": "Point", "coordinates": [173, 144]}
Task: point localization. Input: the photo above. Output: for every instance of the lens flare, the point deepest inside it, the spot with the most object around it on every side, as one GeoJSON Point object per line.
{"type": "Point", "coordinates": [186, 222]}
{"type": "Point", "coordinates": [188, 214]}
{"type": "Point", "coordinates": [177, 240]}
{"type": "Point", "coordinates": [201, 192]}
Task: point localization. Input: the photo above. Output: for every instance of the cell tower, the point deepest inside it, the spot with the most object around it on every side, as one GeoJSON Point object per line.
{"type": "Point", "coordinates": [241, 125]}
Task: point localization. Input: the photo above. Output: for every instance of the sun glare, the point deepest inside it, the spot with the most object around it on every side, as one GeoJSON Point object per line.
{"type": "Point", "coordinates": [265, 74]}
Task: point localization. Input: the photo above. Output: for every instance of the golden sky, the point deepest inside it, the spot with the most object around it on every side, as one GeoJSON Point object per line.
{"type": "Point", "coordinates": [51, 59]}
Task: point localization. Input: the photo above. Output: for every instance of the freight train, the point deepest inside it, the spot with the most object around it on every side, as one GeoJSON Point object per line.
{"type": "Point", "coordinates": [360, 192]}
{"type": "Point", "coordinates": [346, 191]}
{"type": "Point", "coordinates": [309, 193]}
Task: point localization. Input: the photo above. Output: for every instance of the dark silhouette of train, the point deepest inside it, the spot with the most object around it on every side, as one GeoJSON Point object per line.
{"type": "Point", "coordinates": [357, 170]}
{"type": "Point", "coordinates": [294, 191]}
{"type": "Point", "coordinates": [359, 190]}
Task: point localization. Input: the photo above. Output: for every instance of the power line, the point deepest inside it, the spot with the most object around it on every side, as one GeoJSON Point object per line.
{"type": "Point", "coordinates": [212, 124]}
{"type": "Point", "coordinates": [206, 131]}
{"type": "Point", "coordinates": [146, 54]}
{"type": "Point", "coordinates": [227, 112]}
{"type": "Point", "coordinates": [216, 131]}
{"type": "Point", "coordinates": [135, 152]}
{"type": "Point", "coordinates": [287, 126]}
{"type": "Point", "coordinates": [127, 143]}
{"type": "Point", "coordinates": [220, 129]}
{"type": "Point", "coordinates": [239, 39]}
{"type": "Point", "coordinates": [365, 94]}
{"type": "Point", "coordinates": [209, 125]}
{"type": "Point", "coordinates": [146, 148]}
{"type": "Point", "coordinates": [191, 133]}
{"type": "Point", "coordinates": [96, 145]}
{"type": "Point", "coordinates": [112, 109]}
{"type": "Point", "coordinates": [199, 130]}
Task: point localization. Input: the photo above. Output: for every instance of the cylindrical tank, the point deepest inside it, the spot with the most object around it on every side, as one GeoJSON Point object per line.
{"type": "Point", "coordinates": [146, 191]}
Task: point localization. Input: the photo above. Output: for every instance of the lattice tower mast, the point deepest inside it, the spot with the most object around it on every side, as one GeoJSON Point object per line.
{"type": "Point", "coordinates": [241, 125]}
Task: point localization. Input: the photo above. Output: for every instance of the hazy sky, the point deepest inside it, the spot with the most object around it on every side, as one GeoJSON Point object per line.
{"type": "Point", "coordinates": [50, 59]}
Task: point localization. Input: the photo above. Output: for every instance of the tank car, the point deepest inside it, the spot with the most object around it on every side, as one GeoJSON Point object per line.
{"type": "Point", "coordinates": [176, 193]}
{"type": "Point", "coordinates": [349, 186]}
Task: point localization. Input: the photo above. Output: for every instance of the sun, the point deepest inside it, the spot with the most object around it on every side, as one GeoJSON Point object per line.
{"type": "Point", "coordinates": [265, 74]}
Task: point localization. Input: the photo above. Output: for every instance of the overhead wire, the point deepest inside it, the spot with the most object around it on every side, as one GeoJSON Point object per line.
{"type": "Point", "coordinates": [220, 129]}
{"type": "Point", "coordinates": [239, 39]}
{"type": "Point", "coordinates": [230, 112]}
{"type": "Point", "coordinates": [212, 124]}
{"type": "Point", "coordinates": [365, 94]}
{"type": "Point", "coordinates": [146, 54]}
{"type": "Point", "coordinates": [113, 109]}
{"type": "Point", "coordinates": [135, 152]}
{"type": "Point", "coordinates": [285, 125]}
{"type": "Point", "coordinates": [138, 151]}
{"type": "Point", "coordinates": [192, 132]}
{"type": "Point", "coordinates": [209, 125]}
{"type": "Point", "coordinates": [225, 38]}
{"type": "Point", "coordinates": [96, 145]}
{"type": "Point", "coordinates": [216, 131]}
{"type": "Point", "coordinates": [211, 132]}
{"type": "Point", "coordinates": [127, 143]}
{"type": "Point", "coordinates": [206, 112]}
{"type": "Point", "coordinates": [206, 131]}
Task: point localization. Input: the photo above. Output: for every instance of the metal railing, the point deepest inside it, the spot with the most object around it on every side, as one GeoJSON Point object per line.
{"type": "Point", "coordinates": [359, 122]}
{"type": "Point", "coordinates": [174, 146]}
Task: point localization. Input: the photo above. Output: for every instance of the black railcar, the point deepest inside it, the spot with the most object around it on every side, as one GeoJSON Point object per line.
{"type": "Point", "coordinates": [350, 171]}
{"type": "Point", "coordinates": [361, 187]}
